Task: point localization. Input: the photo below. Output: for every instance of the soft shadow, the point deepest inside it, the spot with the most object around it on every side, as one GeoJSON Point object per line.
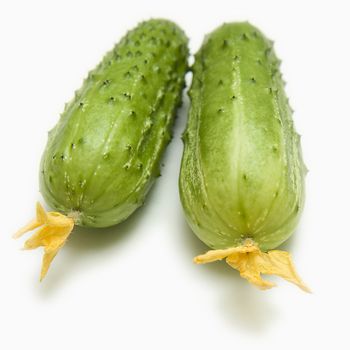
{"type": "Point", "coordinates": [85, 242]}
{"type": "Point", "coordinates": [241, 304]}
{"type": "Point", "coordinates": [247, 307]}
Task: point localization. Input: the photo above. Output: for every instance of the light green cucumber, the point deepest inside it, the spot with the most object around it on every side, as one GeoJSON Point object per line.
{"type": "Point", "coordinates": [242, 174]}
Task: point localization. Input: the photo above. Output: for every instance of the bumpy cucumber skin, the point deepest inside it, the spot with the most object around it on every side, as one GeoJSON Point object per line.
{"type": "Point", "coordinates": [242, 174]}
{"type": "Point", "coordinates": [103, 155]}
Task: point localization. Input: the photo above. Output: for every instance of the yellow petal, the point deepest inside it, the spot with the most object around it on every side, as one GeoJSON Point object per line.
{"type": "Point", "coordinates": [54, 231]}
{"type": "Point", "coordinates": [29, 227]}
{"type": "Point", "coordinates": [47, 259]}
{"type": "Point", "coordinates": [219, 254]}
{"type": "Point", "coordinates": [213, 255]}
{"type": "Point", "coordinates": [251, 262]}
{"type": "Point", "coordinates": [280, 263]}
{"type": "Point", "coordinates": [41, 218]}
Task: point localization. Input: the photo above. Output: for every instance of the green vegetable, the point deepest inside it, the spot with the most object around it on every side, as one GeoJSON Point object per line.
{"type": "Point", "coordinates": [242, 174]}
{"type": "Point", "coordinates": [103, 155]}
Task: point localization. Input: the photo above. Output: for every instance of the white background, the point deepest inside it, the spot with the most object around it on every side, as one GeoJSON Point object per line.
{"type": "Point", "coordinates": [134, 285]}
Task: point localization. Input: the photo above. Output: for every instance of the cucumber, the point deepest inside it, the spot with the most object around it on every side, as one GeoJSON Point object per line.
{"type": "Point", "coordinates": [104, 154]}
{"type": "Point", "coordinates": [242, 174]}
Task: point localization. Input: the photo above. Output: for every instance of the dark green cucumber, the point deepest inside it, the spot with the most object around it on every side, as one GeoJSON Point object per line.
{"type": "Point", "coordinates": [103, 155]}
